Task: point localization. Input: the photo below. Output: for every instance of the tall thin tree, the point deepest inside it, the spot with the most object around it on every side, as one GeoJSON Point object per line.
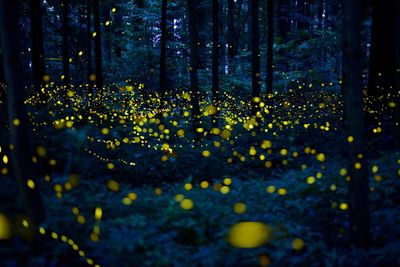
{"type": "Point", "coordinates": [194, 81]}
{"type": "Point", "coordinates": [89, 44]}
{"type": "Point", "coordinates": [163, 48]}
{"type": "Point", "coordinates": [215, 58]}
{"type": "Point", "coordinates": [65, 38]}
{"type": "Point", "coordinates": [354, 116]}
{"type": "Point", "coordinates": [270, 47]}
{"type": "Point", "coordinates": [255, 55]}
{"type": "Point", "coordinates": [38, 63]}
{"type": "Point", "coordinates": [98, 48]}
{"type": "Point", "coordinates": [19, 137]}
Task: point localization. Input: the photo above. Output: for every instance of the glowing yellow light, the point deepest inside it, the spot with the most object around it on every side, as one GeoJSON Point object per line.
{"type": "Point", "coordinates": [5, 227]}
{"type": "Point", "coordinates": [188, 186]}
{"type": "Point", "coordinates": [187, 204]}
{"type": "Point", "coordinates": [249, 234]}
{"type": "Point", "coordinates": [204, 184]}
{"type": "Point", "coordinates": [224, 190]}
{"type": "Point", "coordinates": [98, 212]}
{"type": "Point", "coordinates": [5, 159]}
{"type": "Point", "coordinates": [311, 180]}
{"type": "Point", "coordinates": [206, 153]}
{"type": "Point", "coordinates": [16, 122]}
{"type": "Point", "coordinates": [298, 244]}
{"type": "Point", "coordinates": [113, 185]}
{"type": "Point", "coordinates": [321, 157]}
{"type": "Point", "coordinates": [343, 206]}
{"type": "Point", "coordinates": [240, 208]}
{"type": "Point", "coordinates": [179, 197]}
{"type": "Point", "coordinates": [30, 184]}
{"type": "Point", "coordinates": [357, 165]}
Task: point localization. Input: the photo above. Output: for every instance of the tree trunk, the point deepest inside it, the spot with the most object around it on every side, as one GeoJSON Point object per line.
{"type": "Point", "coordinates": [397, 80]}
{"type": "Point", "coordinates": [194, 83]}
{"type": "Point", "coordinates": [354, 117]}
{"type": "Point", "coordinates": [163, 48]}
{"type": "Point", "coordinates": [2, 85]}
{"type": "Point", "coordinates": [98, 48]}
{"type": "Point", "coordinates": [38, 64]}
{"type": "Point", "coordinates": [231, 36]}
{"type": "Point", "coordinates": [283, 20]}
{"type": "Point", "coordinates": [16, 111]}
{"type": "Point", "coordinates": [89, 43]}
{"type": "Point", "coordinates": [65, 37]}
{"type": "Point", "coordinates": [270, 47]}
{"type": "Point", "coordinates": [215, 57]}
{"type": "Point", "coordinates": [383, 40]}
{"type": "Point", "coordinates": [255, 55]}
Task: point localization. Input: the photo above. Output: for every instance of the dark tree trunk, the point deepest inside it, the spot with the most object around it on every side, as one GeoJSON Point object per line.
{"type": "Point", "coordinates": [89, 43]}
{"type": "Point", "coordinates": [255, 55]}
{"type": "Point", "coordinates": [283, 18]}
{"type": "Point", "coordinates": [270, 47]}
{"type": "Point", "coordinates": [163, 48]}
{"type": "Point", "coordinates": [215, 56]}
{"type": "Point", "coordinates": [2, 84]}
{"type": "Point", "coordinates": [98, 48]}
{"type": "Point", "coordinates": [354, 117]}
{"type": "Point", "coordinates": [106, 34]}
{"type": "Point", "coordinates": [397, 80]}
{"type": "Point", "coordinates": [194, 83]}
{"type": "Point", "coordinates": [65, 37]}
{"type": "Point", "coordinates": [38, 64]}
{"type": "Point", "coordinates": [383, 47]}
{"type": "Point", "coordinates": [9, 30]}
{"type": "Point", "coordinates": [231, 36]}
{"type": "Point", "coordinates": [321, 14]}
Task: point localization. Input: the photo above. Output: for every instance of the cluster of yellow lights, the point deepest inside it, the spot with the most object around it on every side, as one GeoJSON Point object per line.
{"type": "Point", "coordinates": [141, 122]}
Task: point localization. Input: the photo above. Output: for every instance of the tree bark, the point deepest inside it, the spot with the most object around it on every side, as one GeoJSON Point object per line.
{"type": "Point", "coordinates": [215, 57]}
{"type": "Point", "coordinates": [270, 47]}
{"type": "Point", "coordinates": [255, 55]}
{"type": "Point", "coordinates": [354, 117]}
{"type": "Point", "coordinates": [163, 48]}
{"type": "Point", "coordinates": [89, 43]}
{"type": "Point", "coordinates": [194, 83]}
{"type": "Point", "coordinates": [9, 30]}
{"type": "Point", "coordinates": [98, 48]}
{"type": "Point", "coordinates": [65, 37]}
{"type": "Point", "coordinates": [38, 64]}
{"type": "Point", "coordinates": [383, 40]}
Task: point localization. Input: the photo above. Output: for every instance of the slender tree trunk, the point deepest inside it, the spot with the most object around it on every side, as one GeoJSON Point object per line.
{"type": "Point", "coordinates": [255, 55]}
{"type": "Point", "coordinates": [383, 40]}
{"type": "Point", "coordinates": [2, 84]}
{"type": "Point", "coordinates": [321, 14]}
{"type": "Point", "coordinates": [354, 115]}
{"type": "Point", "coordinates": [9, 29]}
{"type": "Point", "coordinates": [397, 80]}
{"type": "Point", "coordinates": [38, 64]}
{"type": "Point", "coordinates": [194, 84]}
{"type": "Point", "coordinates": [270, 47]}
{"type": "Point", "coordinates": [65, 35]}
{"type": "Point", "coordinates": [98, 48]}
{"type": "Point", "coordinates": [163, 48]}
{"type": "Point", "coordinates": [215, 57]}
{"type": "Point", "coordinates": [231, 36]}
{"type": "Point", "coordinates": [89, 43]}
{"type": "Point", "coordinates": [283, 19]}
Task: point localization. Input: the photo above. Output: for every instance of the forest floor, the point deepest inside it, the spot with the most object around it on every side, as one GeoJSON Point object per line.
{"type": "Point", "coordinates": [125, 186]}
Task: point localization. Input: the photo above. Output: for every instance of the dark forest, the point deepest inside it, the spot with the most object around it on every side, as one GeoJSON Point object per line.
{"type": "Point", "coordinates": [199, 133]}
